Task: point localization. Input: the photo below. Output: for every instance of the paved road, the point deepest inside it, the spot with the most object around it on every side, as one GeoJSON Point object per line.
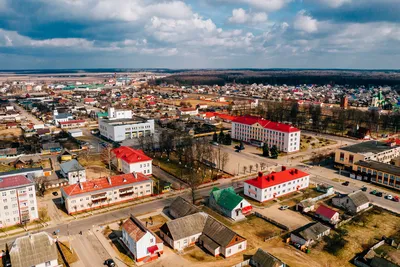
{"type": "Point", "coordinates": [26, 114]}
{"type": "Point", "coordinates": [89, 249]}
{"type": "Point", "coordinates": [163, 175]}
{"type": "Point", "coordinates": [316, 176]}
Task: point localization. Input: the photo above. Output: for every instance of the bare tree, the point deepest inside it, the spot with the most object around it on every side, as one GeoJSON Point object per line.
{"type": "Point", "coordinates": [251, 168]}
{"type": "Point", "coordinates": [194, 181]}
{"type": "Point", "coordinates": [108, 156]}
{"type": "Point", "coordinates": [262, 165]}
{"type": "Point", "coordinates": [244, 169]}
{"type": "Point", "coordinates": [224, 160]}
{"type": "Point", "coordinates": [40, 185]}
{"type": "Point", "coordinates": [256, 166]}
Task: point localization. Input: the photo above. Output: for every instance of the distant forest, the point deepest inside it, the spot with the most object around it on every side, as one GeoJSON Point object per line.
{"type": "Point", "coordinates": [288, 77]}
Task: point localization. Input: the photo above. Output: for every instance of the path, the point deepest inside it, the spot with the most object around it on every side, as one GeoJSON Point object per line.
{"type": "Point", "coordinates": [26, 114]}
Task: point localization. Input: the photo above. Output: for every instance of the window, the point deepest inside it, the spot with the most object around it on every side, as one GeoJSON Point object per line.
{"type": "Point", "coordinates": [151, 240]}
{"type": "Point", "coordinates": [6, 207]}
{"type": "Point", "coordinates": [4, 194]}
{"type": "Point", "coordinates": [240, 246]}
{"type": "Point", "coordinates": [341, 156]}
{"type": "Point", "coordinates": [32, 208]}
{"type": "Point", "coordinates": [351, 159]}
{"type": "Point", "coordinates": [229, 251]}
{"type": "Point", "coordinates": [47, 263]}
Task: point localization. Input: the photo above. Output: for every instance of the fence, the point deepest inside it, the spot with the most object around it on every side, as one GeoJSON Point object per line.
{"type": "Point", "coordinates": [323, 196]}
{"type": "Point", "coordinates": [242, 264]}
{"type": "Point", "coordinates": [284, 227]}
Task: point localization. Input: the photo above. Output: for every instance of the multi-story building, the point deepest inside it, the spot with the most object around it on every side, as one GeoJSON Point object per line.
{"type": "Point", "coordinates": [141, 242]}
{"type": "Point", "coordinates": [370, 150]}
{"type": "Point", "coordinates": [258, 131]}
{"type": "Point", "coordinates": [276, 184]}
{"type": "Point", "coordinates": [377, 172]}
{"type": "Point", "coordinates": [129, 160]}
{"type": "Point", "coordinates": [18, 200]}
{"type": "Point", "coordinates": [105, 191]}
{"type": "Point", "coordinates": [114, 114]}
{"type": "Point", "coordinates": [121, 129]}
{"type": "Point", "coordinates": [72, 124]}
{"type": "Point", "coordinates": [73, 171]}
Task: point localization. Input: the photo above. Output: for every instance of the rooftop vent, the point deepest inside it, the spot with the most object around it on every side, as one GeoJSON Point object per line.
{"type": "Point", "coordinates": [124, 180]}
{"type": "Point", "coordinates": [283, 168]}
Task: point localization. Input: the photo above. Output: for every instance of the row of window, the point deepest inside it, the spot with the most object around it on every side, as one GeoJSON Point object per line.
{"type": "Point", "coordinates": [12, 192]}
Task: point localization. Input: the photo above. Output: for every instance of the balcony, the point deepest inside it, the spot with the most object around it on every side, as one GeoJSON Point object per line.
{"type": "Point", "coordinates": [99, 197]}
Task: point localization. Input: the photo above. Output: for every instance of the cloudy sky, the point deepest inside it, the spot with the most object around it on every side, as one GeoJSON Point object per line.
{"type": "Point", "coordinates": [199, 34]}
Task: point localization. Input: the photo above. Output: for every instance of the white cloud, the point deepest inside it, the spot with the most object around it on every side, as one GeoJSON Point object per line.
{"type": "Point", "coordinates": [305, 23]}
{"type": "Point", "coordinates": [240, 16]}
{"type": "Point", "coordinates": [266, 5]}
{"type": "Point", "coordinates": [335, 3]}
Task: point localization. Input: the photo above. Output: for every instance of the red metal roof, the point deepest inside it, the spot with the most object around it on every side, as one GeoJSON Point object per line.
{"type": "Point", "coordinates": [276, 178]}
{"type": "Point", "coordinates": [276, 126]}
{"type": "Point", "coordinates": [130, 155]}
{"type": "Point", "coordinates": [13, 181]}
{"type": "Point", "coordinates": [325, 211]}
{"type": "Point", "coordinates": [71, 121]}
{"type": "Point", "coordinates": [103, 183]}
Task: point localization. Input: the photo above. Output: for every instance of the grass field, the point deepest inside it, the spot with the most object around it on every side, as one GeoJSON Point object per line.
{"type": "Point", "coordinates": [69, 256]}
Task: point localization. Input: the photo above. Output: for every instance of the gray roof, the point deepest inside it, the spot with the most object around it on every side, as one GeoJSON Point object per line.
{"type": "Point", "coordinates": [311, 231]}
{"type": "Point", "coordinates": [358, 198]}
{"type": "Point", "coordinates": [264, 259]}
{"type": "Point", "coordinates": [180, 207]}
{"type": "Point", "coordinates": [369, 146]}
{"type": "Point", "coordinates": [71, 166]}
{"type": "Point", "coordinates": [208, 242]}
{"type": "Point", "coordinates": [381, 262]}
{"type": "Point", "coordinates": [33, 250]}
{"type": "Point", "coordinates": [218, 232]}
{"type": "Point", "coordinates": [63, 116]}
{"type": "Point", "coordinates": [185, 226]}
{"type": "Point", "coordinates": [379, 166]}
{"type": "Point", "coordinates": [47, 146]}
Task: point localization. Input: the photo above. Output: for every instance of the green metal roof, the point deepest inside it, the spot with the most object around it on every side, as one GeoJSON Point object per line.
{"type": "Point", "coordinates": [226, 198]}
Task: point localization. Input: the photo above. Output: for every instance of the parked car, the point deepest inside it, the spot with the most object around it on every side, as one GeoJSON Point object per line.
{"type": "Point", "coordinates": [55, 193]}
{"type": "Point", "coordinates": [215, 143]}
{"type": "Point", "coordinates": [364, 188]}
{"type": "Point", "coordinates": [285, 207]}
{"type": "Point", "coordinates": [396, 199]}
{"type": "Point", "coordinates": [109, 263]}
{"type": "Point", "coordinates": [346, 183]}
{"type": "Point", "coordinates": [379, 194]}
{"type": "Point", "coordinates": [389, 197]}
{"type": "Point", "coordinates": [373, 192]}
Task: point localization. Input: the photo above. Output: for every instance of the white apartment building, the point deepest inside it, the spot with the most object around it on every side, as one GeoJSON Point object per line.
{"type": "Point", "coordinates": [129, 160]}
{"type": "Point", "coordinates": [105, 191]}
{"type": "Point", "coordinates": [121, 129]}
{"type": "Point", "coordinates": [257, 130]}
{"type": "Point", "coordinates": [276, 184]}
{"type": "Point", "coordinates": [188, 111]}
{"type": "Point", "coordinates": [18, 200]}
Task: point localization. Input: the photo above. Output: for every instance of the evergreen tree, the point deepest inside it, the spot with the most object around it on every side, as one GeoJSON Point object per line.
{"type": "Point", "coordinates": [241, 146]}
{"type": "Point", "coordinates": [228, 140]}
{"type": "Point", "coordinates": [265, 150]}
{"type": "Point", "coordinates": [274, 152]}
{"type": "Point", "coordinates": [221, 137]}
{"type": "Point", "coordinates": [215, 137]}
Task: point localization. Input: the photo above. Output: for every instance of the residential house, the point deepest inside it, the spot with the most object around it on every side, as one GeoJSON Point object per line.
{"type": "Point", "coordinates": [230, 204]}
{"type": "Point", "coordinates": [180, 207]}
{"type": "Point", "coordinates": [141, 242]}
{"type": "Point", "coordinates": [128, 160]}
{"type": "Point", "coordinates": [52, 147]}
{"type": "Point", "coordinates": [276, 184]}
{"type": "Point", "coordinates": [264, 259]}
{"type": "Point", "coordinates": [309, 233]}
{"type": "Point", "coordinates": [61, 117]}
{"type": "Point", "coordinates": [306, 205]}
{"type": "Point", "coordinates": [214, 236]}
{"type": "Point", "coordinates": [327, 214]}
{"type": "Point", "coordinates": [187, 112]}
{"type": "Point", "coordinates": [38, 249]}
{"type": "Point", "coordinates": [353, 202]}
{"type": "Point", "coordinates": [73, 171]}
{"type": "Point", "coordinates": [325, 188]}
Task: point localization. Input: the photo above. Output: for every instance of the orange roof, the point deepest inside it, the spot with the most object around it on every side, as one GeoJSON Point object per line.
{"type": "Point", "coordinates": [135, 229]}
{"type": "Point", "coordinates": [103, 183]}
{"type": "Point", "coordinates": [130, 155]}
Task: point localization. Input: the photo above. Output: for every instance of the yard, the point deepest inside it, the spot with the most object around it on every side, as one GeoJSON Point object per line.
{"type": "Point", "coordinates": [70, 257]}
{"type": "Point", "coordinates": [95, 167]}
{"type": "Point", "coordinates": [307, 142]}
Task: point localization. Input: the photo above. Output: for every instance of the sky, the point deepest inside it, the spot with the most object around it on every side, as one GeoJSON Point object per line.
{"type": "Point", "coordinates": [49, 34]}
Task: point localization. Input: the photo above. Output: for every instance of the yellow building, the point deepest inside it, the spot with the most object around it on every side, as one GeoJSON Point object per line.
{"type": "Point", "coordinates": [377, 172]}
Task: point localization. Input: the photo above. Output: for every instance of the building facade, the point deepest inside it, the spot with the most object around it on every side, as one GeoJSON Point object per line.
{"type": "Point", "coordinates": [18, 203]}
{"type": "Point", "coordinates": [276, 184]}
{"type": "Point", "coordinates": [255, 129]}
{"type": "Point", "coordinates": [377, 172]}
{"type": "Point", "coordinates": [230, 204]}
{"type": "Point", "coordinates": [128, 160]}
{"type": "Point", "coordinates": [346, 157]}
{"type": "Point", "coordinates": [73, 171]}
{"type": "Point", "coordinates": [141, 242]}
{"type": "Point", "coordinates": [121, 129]}
{"type": "Point", "coordinates": [106, 191]}
{"type": "Point", "coordinates": [70, 124]}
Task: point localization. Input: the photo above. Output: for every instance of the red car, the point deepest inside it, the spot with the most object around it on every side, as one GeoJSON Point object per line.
{"type": "Point", "coordinates": [396, 199]}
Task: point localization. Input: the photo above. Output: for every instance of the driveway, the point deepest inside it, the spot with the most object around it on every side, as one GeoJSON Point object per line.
{"type": "Point", "coordinates": [290, 218]}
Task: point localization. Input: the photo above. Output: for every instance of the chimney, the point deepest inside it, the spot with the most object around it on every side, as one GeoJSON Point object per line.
{"type": "Point", "coordinates": [260, 174]}
{"type": "Point", "coordinates": [109, 180]}
{"type": "Point", "coordinates": [272, 177]}
{"type": "Point", "coordinates": [296, 171]}
{"type": "Point", "coordinates": [134, 175]}
{"type": "Point", "coordinates": [283, 168]}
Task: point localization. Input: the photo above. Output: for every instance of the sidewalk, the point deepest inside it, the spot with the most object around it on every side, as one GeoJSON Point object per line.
{"type": "Point", "coordinates": [97, 231]}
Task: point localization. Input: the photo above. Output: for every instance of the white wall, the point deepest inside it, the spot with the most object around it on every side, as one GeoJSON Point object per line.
{"type": "Point", "coordinates": [76, 176]}
{"type": "Point", "coordinates": [120, 132]}
{"type": "Point", "coordinates": [144, 167]}
{"type": "Point", "coordinates": [185, 242]}
{"type": "Point", "coordinates": [232, 250]}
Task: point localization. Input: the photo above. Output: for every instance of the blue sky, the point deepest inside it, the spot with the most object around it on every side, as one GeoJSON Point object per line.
{"type": "Point", "coordinates": [200, 34]}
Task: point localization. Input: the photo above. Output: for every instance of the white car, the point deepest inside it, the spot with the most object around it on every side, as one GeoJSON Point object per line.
{"type": "Point", "coordinates": [389, 197]}
{"type": "Point", "coordinates": [283, 207]}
